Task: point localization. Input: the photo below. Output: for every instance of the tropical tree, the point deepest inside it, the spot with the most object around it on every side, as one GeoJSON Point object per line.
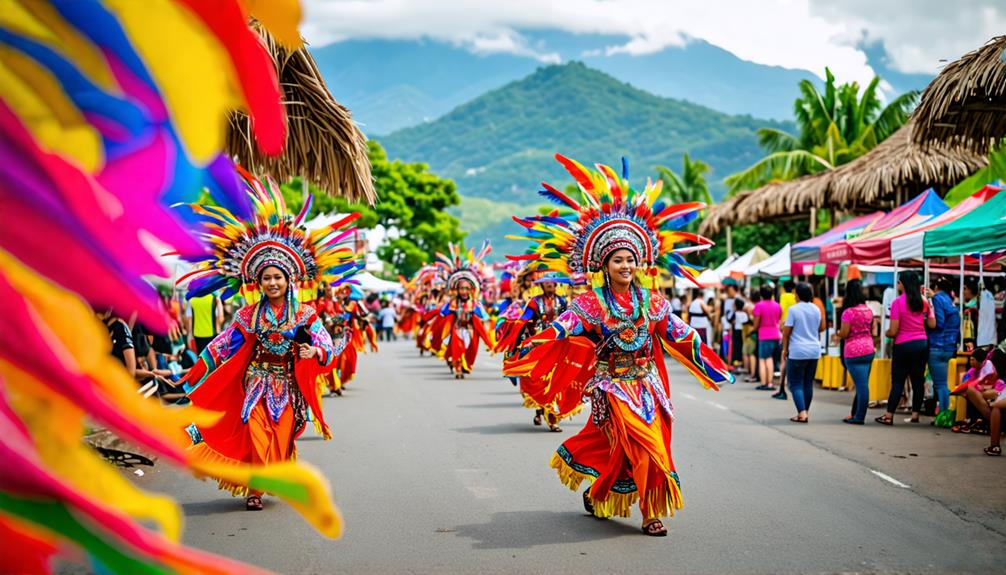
{"type": "Point", "coordinates": [834, 127]}
{"type": "Point", "coordinates": [690, 186]}
{"type": "Point", "coordinates": [411, 205]}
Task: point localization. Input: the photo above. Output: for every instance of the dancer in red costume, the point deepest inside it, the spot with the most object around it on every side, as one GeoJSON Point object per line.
{"type": "Point", "coordinates": [351, 318]}
{"type": "Point", "coordinates": [609, 345]}
{"type": "Point", "coordinates": [261, 373]}
{"type": "Point", "coordinates": [461, 321]}
{"type": "Point", "coordinates": [542, 308]}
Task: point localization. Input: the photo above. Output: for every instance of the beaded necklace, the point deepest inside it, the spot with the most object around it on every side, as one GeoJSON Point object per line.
{"type": "Point", "coordinates": [629, 331]}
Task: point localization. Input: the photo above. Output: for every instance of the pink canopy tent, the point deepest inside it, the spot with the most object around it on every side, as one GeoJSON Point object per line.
{"type": "Point", "coordinates": [806, 255]}
{"type": "Point", "coordinates": [905, 217]}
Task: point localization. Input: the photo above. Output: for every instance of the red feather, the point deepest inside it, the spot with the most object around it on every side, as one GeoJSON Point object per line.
{"type": "Point", "coordinates": [578, 172]}
{"type": "Point", "coordinates": [254, 68]}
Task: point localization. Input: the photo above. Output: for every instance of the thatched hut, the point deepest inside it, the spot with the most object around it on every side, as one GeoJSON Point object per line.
{"type": "Point", "coordinates": [888, 175]}
{"type": "Point", "coordinates": [784, 200]}
{"type": "Point", "coordinates": [898, 169]}
{"type": "Point", "coordinates": [966, 104]}
{"type": "Point", "coordinates": [323, 144]}
{"type": "Point", "coordinates": [723, 215]}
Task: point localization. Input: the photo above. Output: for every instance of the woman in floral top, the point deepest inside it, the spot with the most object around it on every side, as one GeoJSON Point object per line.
{"type": "Point", "coordinates": [858, 352]}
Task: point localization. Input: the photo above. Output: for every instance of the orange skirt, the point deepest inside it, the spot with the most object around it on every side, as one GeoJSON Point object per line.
{"type": "Point", "coordinates": [627, 461]}
{"type": "Point", "coordinates": [270, 442]}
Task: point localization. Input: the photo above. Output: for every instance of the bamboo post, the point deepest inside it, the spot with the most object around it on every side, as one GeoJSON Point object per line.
{"type": "Point", "coordinates": [813, 222]}
{"type": "Point", "coordinates": [730, 240]}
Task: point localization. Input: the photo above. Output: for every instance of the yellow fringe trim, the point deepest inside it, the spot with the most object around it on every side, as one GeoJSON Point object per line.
{"type": "Point", "coordinates": [662, 502]}
{"type": "Point", "coordinates": [567, 475]}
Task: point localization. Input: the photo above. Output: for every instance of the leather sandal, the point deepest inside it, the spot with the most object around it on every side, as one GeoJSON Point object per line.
{"type": "Point", "coordinates": [253, 503]}
{"type": "Point", "coordinates": [655, 528]}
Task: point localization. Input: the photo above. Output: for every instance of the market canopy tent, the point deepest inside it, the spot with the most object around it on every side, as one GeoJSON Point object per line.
{"type": "Point", "coordinates": [910, 246]}
{"type": "Point", "coordinates": [877, 249]}
{"type": "Point", "coordinates": [777, 265]}
{"type": "Point", "coordinates": [806, 254]}
{"type": "Point", "coordinates": [962, 236]}
{"type": "Point", "coordinates": [711, 277]}
{"type": "Point", "coordinates": [917, 211]}
{"type": "Point", "coordinates": [369, 282]}
{"type": "Point", "coordinates": [738, 266]}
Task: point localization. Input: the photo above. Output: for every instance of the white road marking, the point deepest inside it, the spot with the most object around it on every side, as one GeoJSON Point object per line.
{"type": "Point", "coordinates": [688, 396]}
{"type": "Point", "coordinates": [889, 479]}
{"type": "Point", "coordinates": [718, 405]}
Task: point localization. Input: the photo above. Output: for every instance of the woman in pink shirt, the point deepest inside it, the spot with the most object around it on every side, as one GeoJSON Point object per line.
{"type": "Point", "coordinates": [767, 314]}
{"type": "Point", "coordinates": [858, 350]}
{"type": "Point", "coordinates": [910, 315]}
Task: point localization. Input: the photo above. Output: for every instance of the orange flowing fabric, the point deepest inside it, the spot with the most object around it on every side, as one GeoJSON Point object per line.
{"type": "Point", "coordinates": [260, 440]}
{"type": "Point", "coordinates": [627, 458]}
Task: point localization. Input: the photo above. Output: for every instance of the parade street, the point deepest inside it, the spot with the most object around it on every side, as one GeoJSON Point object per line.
{"type": "Point", "coordinates": [435, 475]}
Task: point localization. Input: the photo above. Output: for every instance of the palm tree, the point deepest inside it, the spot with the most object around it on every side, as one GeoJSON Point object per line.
{"type": "Point", "coordinates": [690, 186]}
{"type": "Point", "coordinates": [834, 128]}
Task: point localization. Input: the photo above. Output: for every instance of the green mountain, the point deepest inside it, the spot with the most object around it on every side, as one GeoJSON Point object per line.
{"type": "Point", "coordinates": [500, 146]}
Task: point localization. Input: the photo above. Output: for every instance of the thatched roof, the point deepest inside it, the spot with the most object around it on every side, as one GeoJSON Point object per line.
{"type": "Point", "coordinates": [723, 214]}
{"type": "Point", "coordinates": [966, 104]}
{"type": "Point", "coordinates": [868, 182]}
{"type": "Point", "coordinates": [896, 164]}
{"type": "Point", "coordinates": [323, 143]}
{"type": "Point", "coordinates": [775, 201]}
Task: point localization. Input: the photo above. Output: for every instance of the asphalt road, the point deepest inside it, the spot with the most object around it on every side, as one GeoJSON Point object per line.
{"type": "Point", "coordinates": [435, 475]}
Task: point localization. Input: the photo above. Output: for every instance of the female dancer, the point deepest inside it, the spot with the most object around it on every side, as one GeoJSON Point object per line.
{"type": "Point", "coordinates": [261, 373]}
{"type": "Point", "coordinates": [462, 320]}
{"type": "Point", "coordinates": [610, 343]}
{"type": "Point", "coordinates": [541, 309]}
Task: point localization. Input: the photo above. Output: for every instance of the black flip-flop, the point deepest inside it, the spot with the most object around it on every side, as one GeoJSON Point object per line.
{"type": "Point", "coordinates": [884, 421]}
{"type": "Point", "coordinates": [796, 419]}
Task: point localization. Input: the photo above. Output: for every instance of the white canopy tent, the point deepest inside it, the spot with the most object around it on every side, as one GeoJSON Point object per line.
{"type": "Point", "coordinates": [740, 264]}
{"type": "Point", "coordinates": [369, 282]}
{"type": "Point", "coordinates": [712, 277]}
{"type": "Point", "coordinates": [777, 265]}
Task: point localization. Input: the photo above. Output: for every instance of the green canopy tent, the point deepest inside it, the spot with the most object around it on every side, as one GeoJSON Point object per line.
{"type": "Point", "coordinates": [980, 231]}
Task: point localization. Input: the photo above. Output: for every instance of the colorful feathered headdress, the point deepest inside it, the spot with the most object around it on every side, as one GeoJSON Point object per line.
{"type": "Point", "coordinates": [240, 250]}
{"type": "Point", "coordinates": [461, 266]}
{"type": "Point", "coordinates": [611, 216]}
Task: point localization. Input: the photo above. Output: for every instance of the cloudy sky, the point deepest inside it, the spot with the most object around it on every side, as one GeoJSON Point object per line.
{"type": "Point", "coordinates": [918, 35]}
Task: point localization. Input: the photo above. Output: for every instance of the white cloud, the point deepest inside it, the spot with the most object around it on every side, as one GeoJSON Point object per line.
{"type": "Point", "coordinates": [920, 35]}
{"type": "Point", "coordinates": [805, 34]}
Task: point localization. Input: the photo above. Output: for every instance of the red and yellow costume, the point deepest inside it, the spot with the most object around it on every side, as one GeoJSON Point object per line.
{"type": "Point", "coordinates": [253, 365]}
{"type": "Point", "coordinates": [358, 331]}
{"type": "Point", "coordinates": [609, 346]}
{"type": "Point", "coordinates": [457, 330]}
{"type": "Point", "coordinates": [459, 324]}
{"type": "Point", "coordinates": [252, 373]}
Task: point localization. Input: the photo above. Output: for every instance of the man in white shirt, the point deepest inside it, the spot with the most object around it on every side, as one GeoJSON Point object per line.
{"type": "Point", "coordinates": [386, 319]}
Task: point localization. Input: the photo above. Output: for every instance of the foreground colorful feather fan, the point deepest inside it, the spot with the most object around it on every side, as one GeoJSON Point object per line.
{"type": "Point", "coordinates": [112, 110]}
{"type": "Point", "coordinates": [563, 244]}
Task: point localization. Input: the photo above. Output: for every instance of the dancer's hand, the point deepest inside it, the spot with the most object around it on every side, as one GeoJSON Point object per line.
{"type": "Point", "coordinates": [308, 351]}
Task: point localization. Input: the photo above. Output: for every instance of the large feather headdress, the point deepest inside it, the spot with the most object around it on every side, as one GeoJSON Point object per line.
{"type": "Point", "coordinates": [464, 266]}
{"type": "Point", "coordinates": [610, 216]}
{"type": "Point", "coordinates": [240, 250]}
